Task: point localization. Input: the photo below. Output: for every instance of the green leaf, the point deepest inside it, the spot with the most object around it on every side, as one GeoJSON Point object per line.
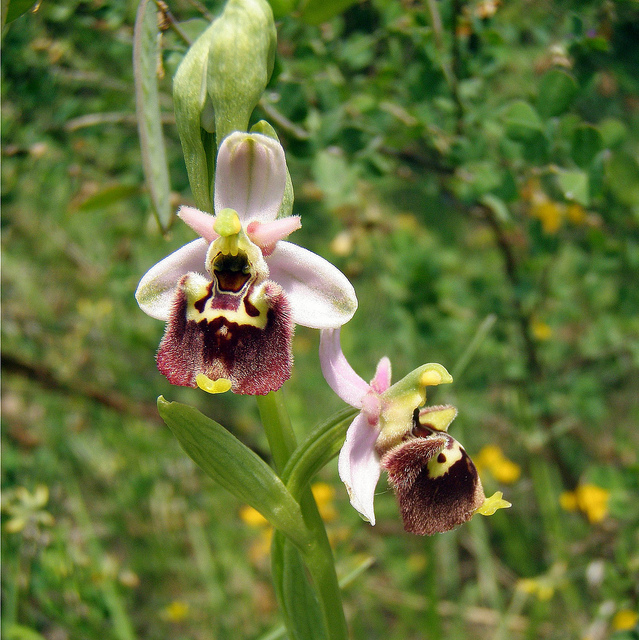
{"type": "Point", "coordinates": [109, 196]}
{"type": "Point", "coordinates": [233, 465]}
{"type": "Point", "coordinates": [613, 132]}
{"type": "Point", "coordinates": [12, 9]}
{"type": "Point", "coordinates": [318, 11]}
{"type": "Point", "coordinates": [622, 175]}
{"type": "Point", "coordinates": [321, 446]}
{"type": "Point", "coordinates": [522, 121]}
{"type": "Point", "coordinates": [145, 59]}
{"type": "Point", "coordinates": [575, 186]}
{"type": "Point", "coordinates": [586, 144]}
{"type": "Point", "coordinates": [282, 8]}
{"type": "Point", "coordinates": [556, 91]}
{"type": "Point", "coordinates": [20, 632]}
{"type": "Point", "coordinates": [295, 595]}
{"type": "Point", "coordinates": [497, 206]}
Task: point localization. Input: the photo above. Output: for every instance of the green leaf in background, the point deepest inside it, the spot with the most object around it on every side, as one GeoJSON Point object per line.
{"type": "Point", "coordinates": [522, 121]}
{"type": "Point", "coordinates": [318, 11]}
{"type": "Point", "coordinates": [233, 465]}
{"type": "Point", "coordinates": [297, 599]}
{"type": "Point", "coordinates": [574, 186]}
{"type": "Point", "coordinates": [282, 8]}
{"type": "Point", "coordinates": [12, 9]}
{"type": "Point", "coordinates": [586, 144]}
{"type": "Point", "coordinates": [622, 173]}
{"type": "Point", "coordinates": [556, 91]}
{"type": "Point", "coordinates": [108, 196]}
{"type": "Point", "coordinates": [613, 132]}
{"type": "Point", "coordinates": [145, 60]}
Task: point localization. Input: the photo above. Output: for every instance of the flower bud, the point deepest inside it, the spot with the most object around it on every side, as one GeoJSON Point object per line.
{"type": "Point", "coordinates": [219, 83]}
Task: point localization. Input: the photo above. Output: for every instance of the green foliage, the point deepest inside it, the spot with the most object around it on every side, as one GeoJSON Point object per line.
{"type": "Point", "coordinates": [459, 165]}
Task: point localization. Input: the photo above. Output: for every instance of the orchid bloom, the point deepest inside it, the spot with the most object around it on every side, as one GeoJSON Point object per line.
{"type": "Point", "coordinates": [232, 297]}
{"type": "Point", "coordinates": [435, 481]}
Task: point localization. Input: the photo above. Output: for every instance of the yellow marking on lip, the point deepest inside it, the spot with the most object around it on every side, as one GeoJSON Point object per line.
{"type": "Point", "coordinates": [196, 291]}
{"type": "Point", "coordinates": [437, 469]}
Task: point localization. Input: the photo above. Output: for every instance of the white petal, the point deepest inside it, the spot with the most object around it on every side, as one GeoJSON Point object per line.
{"type": "Point", "coordinates": [339, 374]}
{"type": "Point", "coordinates": [250, 176]}
{"type": "Point", "coordinates": [359, 466]}
{"type": "Point", "coordinates": [320, 295]}
{"type": "Point", "coordinates": [156, 290]}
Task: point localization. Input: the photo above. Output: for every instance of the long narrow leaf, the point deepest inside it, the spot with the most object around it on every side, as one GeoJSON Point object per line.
{"type": "Point", "coordinates": [297, 599]}
{"type": "Point", "coordinates": [233, 465]}
{"type": "Point", "coordinates": [145, 60]}
{"type": "Point", "coordinates": [316, 451]}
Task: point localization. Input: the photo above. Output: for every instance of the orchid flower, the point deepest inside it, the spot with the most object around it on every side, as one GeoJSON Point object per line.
{"type": "Point", "coordinates": [232, 297]}
{"type": "Point", "coordinates": [435, 481]}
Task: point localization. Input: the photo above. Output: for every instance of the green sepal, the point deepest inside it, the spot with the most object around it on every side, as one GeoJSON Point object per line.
{"type": "Point", "coordinates": [234, 466]}
{"type": "Point", "coordinates": [189, 100]}
{"type": "Point", "coordinates": [147, 103]}
{"type": "Point", "coordinates": [286, 208]}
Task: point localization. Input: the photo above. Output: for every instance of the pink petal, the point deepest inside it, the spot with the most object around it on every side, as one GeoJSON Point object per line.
{"type": "Point", "coordinates": [266, 234]}
{"type": "Point", "coordinates": [359, 466]}
{"type": "Point", "coordinates": [338, 373]}
{"type": "Point", "coordinates": [382, 378]}
{"type": "Point", "coordinates": [199, 221]}
{"type": "Point", "coordinates": [156, 292]}
{"type": "Point", "coordinates": [320, 295]}
{"type": "Point", "coordinates": [250, 176]}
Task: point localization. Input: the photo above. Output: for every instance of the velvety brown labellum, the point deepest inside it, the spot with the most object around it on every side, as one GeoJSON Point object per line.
{"type": "Point", "coordinates": [435, 481]}
{"type": "Point", "coordinates": [256, 360]}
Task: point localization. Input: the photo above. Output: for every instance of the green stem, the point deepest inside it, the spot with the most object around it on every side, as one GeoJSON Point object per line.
{"type": "Point", "coordinates": [317, 555]}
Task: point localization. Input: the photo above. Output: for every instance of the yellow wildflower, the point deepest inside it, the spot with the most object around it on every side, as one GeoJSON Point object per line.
{"type": "Point", "coordinates": [492, 459]}
{"type": "Point", "coordinates": [550, 215]}
{"type": "Point", "coordinates": [541, 330]}
{"type": "Point", "coordinates": [176, 611]}
{"type": "Point", "coordinates": [252, 517]}
{"type": "Point", "coordinates": [624, 620]}
{"type": "Point", "coordinates": [589, 499]}
{"type": "Point", "coordinates": [324, 494]}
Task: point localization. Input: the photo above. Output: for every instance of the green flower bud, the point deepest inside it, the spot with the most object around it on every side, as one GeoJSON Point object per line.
{"type": "Point", "coordinates": [219, 83]}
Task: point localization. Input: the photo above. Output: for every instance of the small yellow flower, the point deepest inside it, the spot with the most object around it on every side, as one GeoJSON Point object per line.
{"type": "Point", "coordinates": [541, 330]}
{"type": "Point", "coordinates": [550, 215]}
{"type": "Point", "coordinates": [568, 501]}
{"type": "Point", "coordinates": [324, 494]}
{"type": "Point", "coordinates": [589, 499]}
{"type": "Point", "coordinates": [252, 517]}
{"type": "Point", "coordinates": [176, 611]}
{"type": "Point", "coordinates": [624, 620]}
{"type": "Point", "coordinates": [492, 459]}
{"type": "Point", "coordinates": [576, 213]}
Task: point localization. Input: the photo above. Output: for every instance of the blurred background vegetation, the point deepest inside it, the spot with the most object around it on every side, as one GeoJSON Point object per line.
{"type": "Point", "coordinates": [472, 166]}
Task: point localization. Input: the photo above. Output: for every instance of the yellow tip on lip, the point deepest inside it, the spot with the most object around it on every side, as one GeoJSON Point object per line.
{"type": "Point", "coordinates": [212, 386]}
